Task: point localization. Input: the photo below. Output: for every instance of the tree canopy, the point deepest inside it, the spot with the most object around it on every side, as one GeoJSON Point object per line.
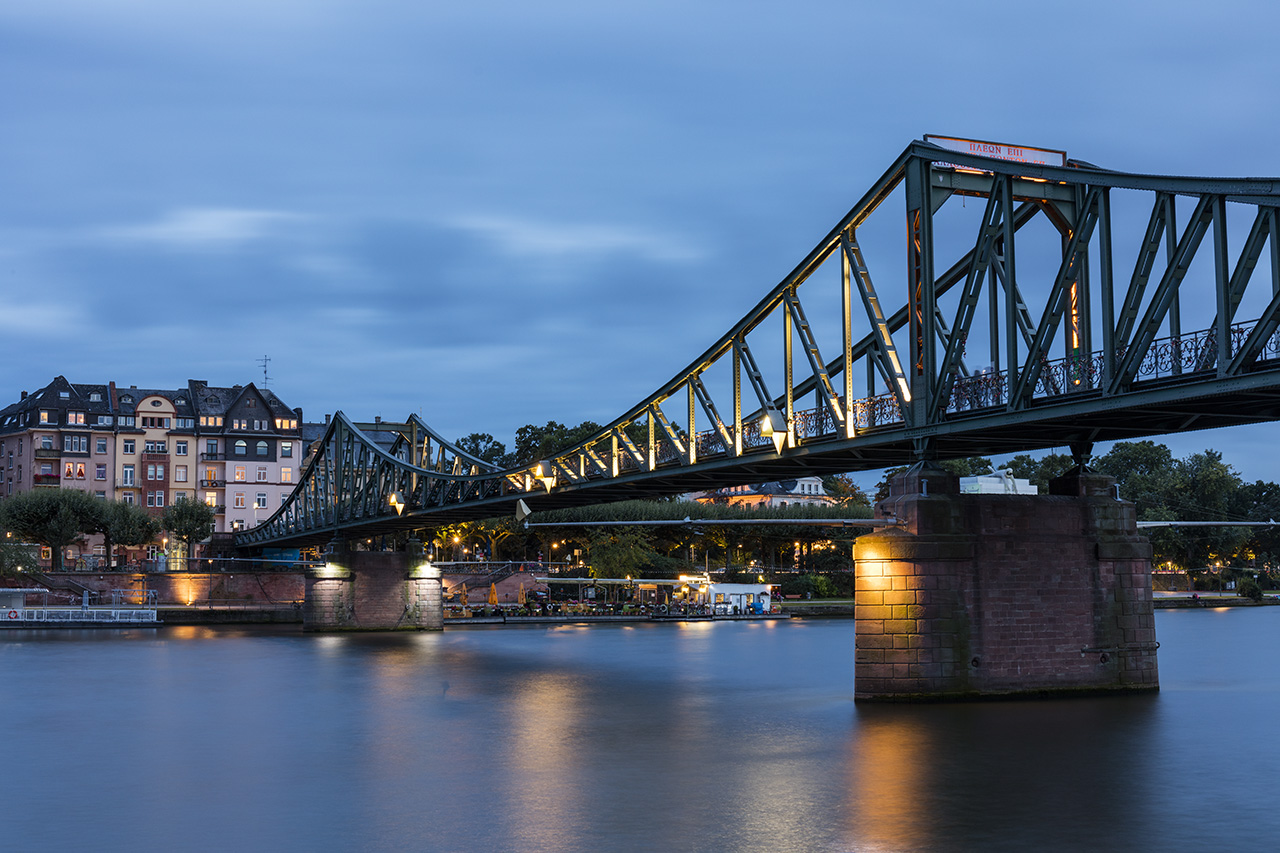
{"type": "Point", "coordinates": [54, 518]}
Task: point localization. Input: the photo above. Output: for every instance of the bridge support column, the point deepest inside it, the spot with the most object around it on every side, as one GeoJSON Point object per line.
{"type": "Point", "coordinates": [981, 596]}
{"type": "Point", "coordinates": [374, 591]}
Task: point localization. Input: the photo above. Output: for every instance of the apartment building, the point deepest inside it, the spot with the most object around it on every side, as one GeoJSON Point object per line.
{"type": "Point", "coordinates": [237, 448]}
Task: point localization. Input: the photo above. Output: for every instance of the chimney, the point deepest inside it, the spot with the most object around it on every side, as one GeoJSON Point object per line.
{"type": "Point", "coordinates": [326, 420]}
{"type": "Point", "coordinates": [24, 395]}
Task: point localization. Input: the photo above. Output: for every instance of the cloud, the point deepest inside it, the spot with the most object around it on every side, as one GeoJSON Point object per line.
{"type": "Point", "coordinates": [559, 240]}
{"type": "Point", "coordinates": [202, 228]}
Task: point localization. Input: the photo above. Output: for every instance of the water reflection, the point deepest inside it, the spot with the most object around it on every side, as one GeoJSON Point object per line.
{"type": "Point", "coordinates": [639, 737]}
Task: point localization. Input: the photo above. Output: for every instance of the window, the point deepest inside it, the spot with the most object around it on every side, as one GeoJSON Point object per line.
{"type": "Point", "coordinates": [128, 498]}
{"type": "Point", "coordinates": [79, 470]}
{"type": "Point", "coordinates": [251, 404]}
{"type": "Point", "coordinates": [211, 474]}
{"type": "Point", "coordinates": [286, 449]}
{"type": "Point", "coordinates": [100, 472]}
{"type": "Point", "coordinates": [262, 448]}
{"type": "Point", "coordinates": [47, 417]}
{"type": "Point", "coordinates": [261, 502]}
{"type": "Point", "coordinates": [100, 445]}
{"type": "Point", "coordinates": [239, 500]}
{"type": "Point", "coordinates": [210, 421]}
{"type": "Point", "coordinates": [126, 420]}
{"type": "Point", "coordinates": [95, 396]}
{"type": "Point", "coordinates": [286, 423]}
{"type": "Point", "coordinates": [100, 494]}
{"type": "Point", "coordinates": [46, 442]}
{"type": "Point", "coordinates": [104, 420]}
{"type": "Point", "coordinates": [180, 448]}
{"type": "Point", "coordinates": [127, 400]}
{"type": "Point", "coordinates": [64, 395]}
{"type": "Point", "coordinates": [238, 423]}
{"type": "Point", "coordinates": [155, 472]}
{"type": "Point", "coordinates": [239, 473]}
{"type": "Point", "coordinates": [211, 498]}
{"type": "Point", "coordinates": [286, 475]}
{"type": "Point", "coordinates": [75, 418]}
{"type": "Point", "coordinates": [126, 476]}
{"type": "Point", "coordinates": [156, 447]}
{"type": "Point", "coordinates": [262, 425]}
{"type": "Point", "coordinates": [155, 423]}
{"type": "Point", "coordinates": [75, 444]}
{"type": "Point", "coordinates": [211, 446]}
{"type": "Point", "coordinates": [130, 446]}
{"type": "Point", "coordinates": [185, 423]}
{"type": "Point", "coordinates": [180, 473]}
{"type": "Point", "coordinates": [284, 498]}
{"type": "Point", "coordinates": [242, 447]}
{"type": "Point", "coordinates": [68, 473]}
{"type": "Point", "coordinates": [262, 473]}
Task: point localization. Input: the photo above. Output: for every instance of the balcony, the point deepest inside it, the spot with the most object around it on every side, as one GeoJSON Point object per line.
{"type": "Point", "coordinates": [126, 484]}
{"type": "Point", "coordinates": [48, 453]}
{"type": "Point", "coordinates": [46, 479]}
{"type": "Point", "coordinates": [213, 484]}
{"type": "Point", "coordinates": [220, 509]}
{"type": "Point", "coordinates": [155, 457]}
{"type": "Point", "coordinates": [213, 457]}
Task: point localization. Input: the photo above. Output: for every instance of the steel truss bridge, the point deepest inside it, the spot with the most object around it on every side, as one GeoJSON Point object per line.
{"type": "Point", "coordinates": [1040, 306]}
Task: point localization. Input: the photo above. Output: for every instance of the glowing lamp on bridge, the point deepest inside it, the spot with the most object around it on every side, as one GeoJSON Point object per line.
{"type": "Point", "coordinates": [545, 472]}
{"type": "Point", "coordinates": [396, 499]}
{"type": "Point", "coordinates": [774, 425]}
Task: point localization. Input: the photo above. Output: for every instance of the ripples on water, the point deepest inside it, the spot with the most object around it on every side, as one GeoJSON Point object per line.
{"type": "Point", "coordinates": [725, 736]}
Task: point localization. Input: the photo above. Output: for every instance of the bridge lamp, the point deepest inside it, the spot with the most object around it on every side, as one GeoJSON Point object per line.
{"type": "Point", "coordinates": [396, 499]}
{"type": "Point", "coordinates": [546, 472]}
{"type": "Point", "coordinates": [773, 424]}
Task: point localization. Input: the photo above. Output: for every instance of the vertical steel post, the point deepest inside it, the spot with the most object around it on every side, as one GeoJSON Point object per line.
{"type": "Point", "coordinates": [923, 305]}
{"type": "Point", "coordinates": [1222, 281]}
{"type": "Point", "coordinates": [1107, 284]}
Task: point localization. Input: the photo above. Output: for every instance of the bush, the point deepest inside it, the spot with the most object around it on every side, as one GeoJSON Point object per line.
{"type": "Point", "coordinates": [1249, 589]}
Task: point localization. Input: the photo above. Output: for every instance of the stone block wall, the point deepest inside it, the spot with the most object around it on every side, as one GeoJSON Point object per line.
{"type": "Point", "coordinates": [994, 595]}
{"type": "Point", "coordinates": [373, 591]}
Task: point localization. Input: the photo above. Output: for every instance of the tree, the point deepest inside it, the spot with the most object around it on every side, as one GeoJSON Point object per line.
{"type": "Point", "coordinates": [1039, 471]}
{"type": "Point", "coordinates": [188, 520]}
{"type": "Point", "coordinates": [15, 554]}
{"type": "Point", "coordinates": [126, 524]}
{"type": "Point", "coordinates": [618, 552]}
{"type": "Point", "coordinates": [535, 443]}
{"type": "Point", "coordinates": [845, 492]}
{"type": "Point", "coordinates": [482, 446]}
{"type": "Point", "coordinates": [53, 517]}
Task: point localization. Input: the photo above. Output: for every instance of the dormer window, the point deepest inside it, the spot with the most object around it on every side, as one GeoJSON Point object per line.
{"type": "Point", "coordinates": [65, 395]}
{"type": "Point", "coordinates": [95, 397]}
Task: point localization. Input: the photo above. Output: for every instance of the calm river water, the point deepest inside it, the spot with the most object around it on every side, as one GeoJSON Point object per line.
{"type": "Point", "coordinates": [725, 736]}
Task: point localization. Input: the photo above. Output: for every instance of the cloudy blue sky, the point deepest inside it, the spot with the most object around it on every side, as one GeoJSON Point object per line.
{"type": "Point", "coordinates": [500, 213]}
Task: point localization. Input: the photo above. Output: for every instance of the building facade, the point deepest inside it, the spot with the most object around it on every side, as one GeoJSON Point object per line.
{"type": "Point", "coordinates": [803, 491]}
{"type": "Point", "coordinates": [236, 448]}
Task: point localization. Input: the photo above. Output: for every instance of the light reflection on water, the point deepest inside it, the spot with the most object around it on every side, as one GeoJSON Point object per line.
{"type": "Point", "coordinates": [725, 736]}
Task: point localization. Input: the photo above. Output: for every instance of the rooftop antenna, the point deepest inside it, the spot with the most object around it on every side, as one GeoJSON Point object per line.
{"type": "Point", "coordinates": [263, 361]}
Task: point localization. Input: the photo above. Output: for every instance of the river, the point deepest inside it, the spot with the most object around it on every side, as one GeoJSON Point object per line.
{"type": "Point", "coordinates": [664, 737]}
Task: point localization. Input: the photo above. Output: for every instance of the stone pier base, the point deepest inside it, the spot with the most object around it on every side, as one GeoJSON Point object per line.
{"type": "Point", "coordinates": [979, 596]}
{"type": "Point", "coordinates": [374, 591]}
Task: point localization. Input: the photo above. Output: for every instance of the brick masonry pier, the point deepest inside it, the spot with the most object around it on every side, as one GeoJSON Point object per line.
{"type": "Point", "coordinates": [374, 591]}
{"type": "Point", "coordinates": [980, 596]}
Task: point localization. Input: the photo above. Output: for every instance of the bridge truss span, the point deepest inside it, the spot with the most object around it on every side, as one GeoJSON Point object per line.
{"type": "Point", "coordinates": [1039, 306]}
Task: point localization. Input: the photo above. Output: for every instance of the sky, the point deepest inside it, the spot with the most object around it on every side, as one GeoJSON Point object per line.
{"type": "Point", "coordinates": [496, 214]}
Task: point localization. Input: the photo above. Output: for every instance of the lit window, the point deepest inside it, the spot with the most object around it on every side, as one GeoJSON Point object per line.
{"type": "Point", "coordinates": [75, 418]}
{"type": "Point", "coordinates": [79, 470]}
{"type": "Point", "coordinates": [47, 417]}
{"type": "Point", "coordinates": [239, 473]}
{"type": "Point", "coordinates": [286, 475]}
{"type": "Point", "coordinates": [239, 500]}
